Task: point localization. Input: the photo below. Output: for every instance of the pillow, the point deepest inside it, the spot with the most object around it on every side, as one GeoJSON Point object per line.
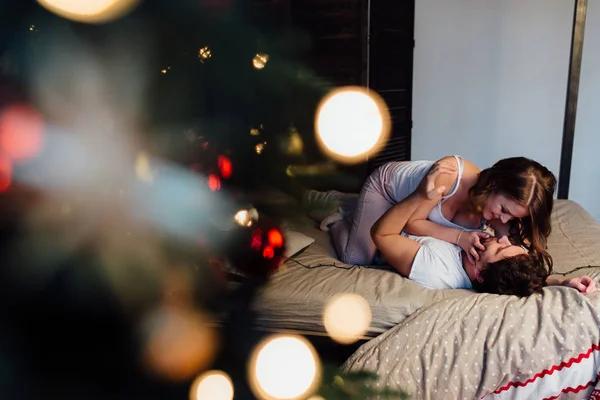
{"type": "Point", "coordinates": [295, 242]}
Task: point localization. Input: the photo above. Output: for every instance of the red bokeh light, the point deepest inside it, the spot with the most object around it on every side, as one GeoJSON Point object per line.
{"type": "Point", "coordinates": [225, 167]}
{"type": "Point", "coordinates": [214, 182]}
{"type": "Point", "coordinates": [21, 132]}
{"type": "Point", "coordinates": [268, 252]}
{"type": "Point", "coordinates": [256, 242]}
{"type": "Point", "coordinates": [5, 173]}
{"type": "Point", "coordinates": [275, 238]}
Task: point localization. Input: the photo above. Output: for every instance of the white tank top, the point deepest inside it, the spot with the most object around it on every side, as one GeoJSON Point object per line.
{"type": "Point", "coordinates": [436, 214]}
{"type": "Point", "coordinates": [406, 178]}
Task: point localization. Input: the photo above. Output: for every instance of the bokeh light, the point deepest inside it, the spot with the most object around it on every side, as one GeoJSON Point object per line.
{"type": "Point", "coordinates": [5, 173]}
{"type": "Point", "coordinates": [351, 123]}
{"type": "Point", "coordinates": [225, 167]}
{"type": "Point", "coordinates": [90, 11]}
{"type": "Point", "coordinates": [212, 385]}
{"type": "Point", "coordinates": [294, 144]}
{"type": "Point", "coordinates": [180, 343]}
{"type": "Point", "coordinates": [143, 169]}
{"type": "Point", "coordinates": [204, 53]}
{"type": "Point", "coordinates": [214, 182]}
{"type": "Point", "coordinates": [284, 367]}
{"type": "Point", "coordinates": [275, 238]}
{"type": "Point", "coordinates": [21, 132]}
{"type": "Point", "coordinates": [347, 317]}
{"type": "Point", "coordinates": [246, 217]}
{"type": "Point", "coordinates": [259, 148]}
{"type": "Point", "coordinates": [260, 60]}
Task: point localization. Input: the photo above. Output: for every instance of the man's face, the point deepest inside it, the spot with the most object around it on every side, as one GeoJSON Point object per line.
{"type": "Point", "coordinates": [496, 249]}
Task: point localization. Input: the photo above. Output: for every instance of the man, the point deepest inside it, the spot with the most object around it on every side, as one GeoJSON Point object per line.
{"type": "Point", "coordinates": [502, 268]}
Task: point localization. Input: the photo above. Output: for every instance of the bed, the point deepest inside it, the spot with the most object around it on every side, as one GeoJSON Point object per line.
{"type": "Point", "coordinates": [455, 343]}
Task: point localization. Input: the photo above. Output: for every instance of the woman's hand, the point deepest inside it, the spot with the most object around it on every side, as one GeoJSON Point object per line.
{"type": "Point", "coordinates": [470, 242]}
{"type": "Point", "coordinates": [583, 283]}
{"type": "Point", "coordinates": [427, 186]}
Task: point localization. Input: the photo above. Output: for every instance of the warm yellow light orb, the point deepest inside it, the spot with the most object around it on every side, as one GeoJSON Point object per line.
{"type": "Point", "coordinates": [246, 217]}
{"type": "Point", "coordinates": [351, 124]}
{"type": "Point", "coordinates": [142, 168]}
{"type": "Point", "coordinates": [212, 385]}
{"type": "Point", "coordinates": [205, 53]}
{"type": "Point", "coordinates": [90, 11]}
{"type": "Point", "coordinates": [284, 367]}
{"type": "Point", "coordinates": [260, 60]}
{"type": "Point", "coordinates": [347, 317]}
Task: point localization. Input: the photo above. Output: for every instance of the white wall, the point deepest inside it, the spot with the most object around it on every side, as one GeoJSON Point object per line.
{"type": "Point", "coordinates": [490, 79]}
{"type": "Point", "coordinates": [585, 172]}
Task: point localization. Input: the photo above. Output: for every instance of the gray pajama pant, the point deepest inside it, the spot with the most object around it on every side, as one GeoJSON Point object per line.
{"type": "Point", "coordinates": [352, 239]}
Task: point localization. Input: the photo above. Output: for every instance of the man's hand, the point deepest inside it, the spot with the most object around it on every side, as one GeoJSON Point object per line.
{"type": "Point", "coordinates": [583, 283]}
{"type": "Point", "coordinates": [427, 187]}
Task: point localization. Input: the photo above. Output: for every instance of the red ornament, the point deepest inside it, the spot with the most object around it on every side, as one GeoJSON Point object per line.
{"type": "Point", "coordinates": [275, 238]}
{"type": "Point", "coordinates": [258, 250]}
{"type": "Point", "coordinates": [268, 252]}
{"type": "Point", "coordinates": [214, 182]}
{"type": "Point", "coordinates": [224, 166]}
{"type": "Point", "coordinates": [5, 173]}
{"type": "Point", "coordinates": [21, 132]}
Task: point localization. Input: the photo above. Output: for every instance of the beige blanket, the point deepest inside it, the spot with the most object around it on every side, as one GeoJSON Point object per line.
{"type": "Point", "coordinates": [488, 346]}
{"type": "Point", "coordinates": [295, 297]}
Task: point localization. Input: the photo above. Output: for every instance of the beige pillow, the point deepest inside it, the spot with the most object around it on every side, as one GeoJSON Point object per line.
{"type": "Point", "coordinates": [295, 242]}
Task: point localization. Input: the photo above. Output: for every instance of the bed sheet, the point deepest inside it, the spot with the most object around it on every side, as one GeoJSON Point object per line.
{"type": "Point", "coordinates": [295, 297]}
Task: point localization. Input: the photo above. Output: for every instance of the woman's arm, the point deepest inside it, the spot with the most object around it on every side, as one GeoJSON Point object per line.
{"type": "Point", "coordinates": [419, 225]}
{"type": "Point", "coordinates": [583, 283]}
{"type": "Point", "coordinates": [398, 250]}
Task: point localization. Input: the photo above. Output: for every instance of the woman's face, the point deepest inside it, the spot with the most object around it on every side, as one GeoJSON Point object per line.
{"type": "Point", "coordinates": [502, 208]}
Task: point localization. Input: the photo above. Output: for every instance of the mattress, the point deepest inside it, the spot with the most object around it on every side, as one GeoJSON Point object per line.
{"type": "Point", "coordinates": [295, 297]}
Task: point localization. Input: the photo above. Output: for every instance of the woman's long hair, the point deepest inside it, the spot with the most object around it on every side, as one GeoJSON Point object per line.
{"type": "Point", "coordinates": [531, 185]}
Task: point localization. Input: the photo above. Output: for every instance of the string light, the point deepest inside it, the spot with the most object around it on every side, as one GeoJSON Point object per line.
{"type": "Point", "coordinates": [254, 132]}
{"type": "Point", "coordinates": [347, 317]}
{"type": "Point", "coordinates": [204, 53]}
{"type": "Point", "coordinates": [90, 11]}
{"type": "Point", "coordinates": [142, 168]}
{"type": "Point", "coordinates": [260, 147]}
{"type": "Point", "coordinates": [165, 70]}
{"type": "Point", "coordinates": [260, 60]}
{"type": "Point", "coordinates": [212, 385]}
{"type": "Point", "coordinates": [246, 217]}
{"type": "Point", "coordinates": [352, 123]}
{"type": "Point", "coordinates": [284, 367]}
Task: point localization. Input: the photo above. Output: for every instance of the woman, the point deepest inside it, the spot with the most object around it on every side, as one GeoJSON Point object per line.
{"type": "Point", "coordinates": [514, 197]}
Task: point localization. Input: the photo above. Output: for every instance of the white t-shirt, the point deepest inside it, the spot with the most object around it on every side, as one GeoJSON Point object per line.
{"type": "Point", "coordinates": [438, 265]}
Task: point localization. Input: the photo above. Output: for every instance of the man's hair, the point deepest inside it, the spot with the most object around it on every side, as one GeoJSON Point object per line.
{"type": "Point", "coordinates": [520, 275]}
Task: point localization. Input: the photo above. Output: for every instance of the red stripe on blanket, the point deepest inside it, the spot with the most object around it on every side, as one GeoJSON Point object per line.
{"type": "Point", "coordinates": [571, 390]}
{"type": "Point", "coordinates": [550, 371]}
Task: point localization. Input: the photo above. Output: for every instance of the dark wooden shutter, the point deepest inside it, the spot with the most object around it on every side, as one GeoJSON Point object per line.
{"type": "Point", "coordinates": [358, 42]}
{"type": "Point", "coordinates": [390, 52]}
